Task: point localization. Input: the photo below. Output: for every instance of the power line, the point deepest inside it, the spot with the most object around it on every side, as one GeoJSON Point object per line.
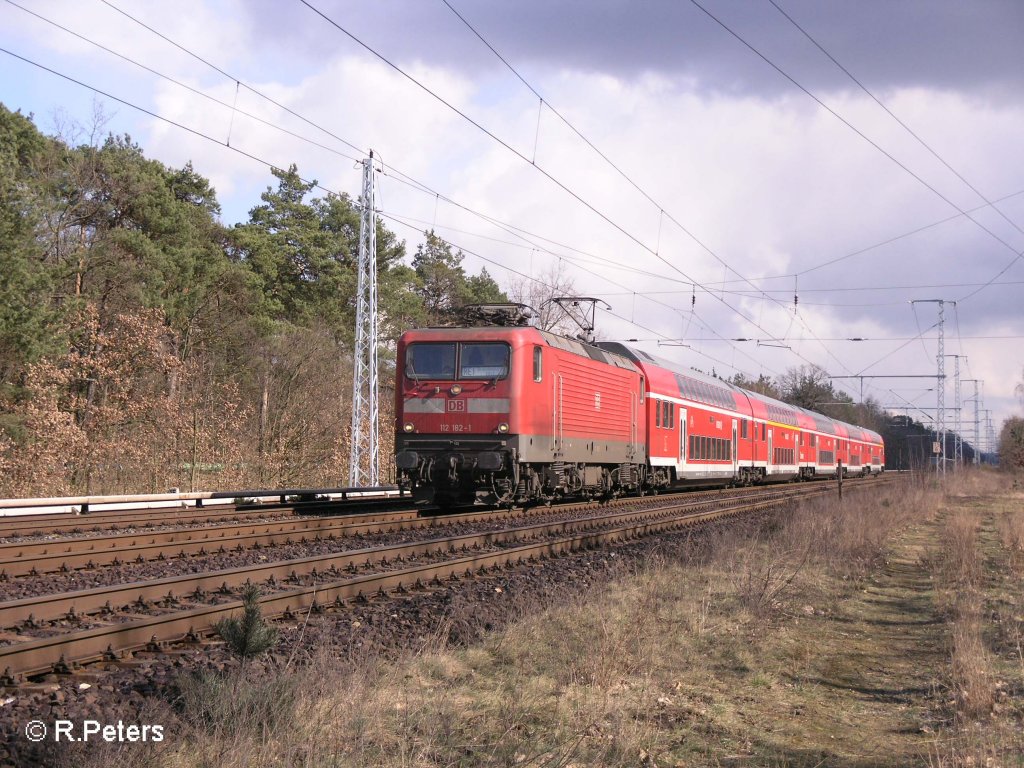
{"type": "Point", "coordinates": [891, 114]}
{"type": "Point", "coordinates": [924, 144]}
{"type": "Point", "coordinates": [189, 88]}
{"type": "Point", "coordinates": [878, 147]}
{"type": "Point", "coordinates": [267, 164]}
{"type": "Point", "coordinates": [231, 77]}
{"type": "Point", "coordinates": [400, 177]}
{"type": "Point", "coordinates": [708, 288]}
{"type": "Point", "coordinates": [661, 209]}
{"type": "Point", "coordinates": [413, 182]}
{"type": "Point", "coordinates": [866, 249]}
{"type": "Point", "coordinates": [286, 131]}
{"type": "Point", "coordinates": [901, 346]}
{"type": "Point", "coordinates": [223, 103]}
{"type": "Point", "coordinates": [576, 196]}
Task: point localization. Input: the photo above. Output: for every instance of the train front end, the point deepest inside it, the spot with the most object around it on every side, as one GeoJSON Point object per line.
{"type": "Point", "coordinates": [455, 438]}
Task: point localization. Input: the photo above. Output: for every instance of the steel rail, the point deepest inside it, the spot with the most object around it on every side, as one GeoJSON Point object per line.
{"type": "Point", "coordinates": [45, 524]}
{"type": "Point", "coordinates": [199, 497]}
{"type": "Point", "coordinates": [32, 558]}
{"type": "Point", "coordinates": [38, 557]}
{"type": "Point", "coordinates": [85, 602]}
{"type": "Point", "coordinates": [77, 604]}
{"type": "Point", "coordinates": [115, 641]}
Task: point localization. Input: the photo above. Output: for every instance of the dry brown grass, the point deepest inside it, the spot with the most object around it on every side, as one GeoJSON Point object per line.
{"type": "Point", "coordinates": [978, 578]}
{"type": "Point", "coordinates": [1010, 527]}
{"type": "Point", "coordinates": [960, 573]}
{"type": "Point", "coordinates": [661, 668]}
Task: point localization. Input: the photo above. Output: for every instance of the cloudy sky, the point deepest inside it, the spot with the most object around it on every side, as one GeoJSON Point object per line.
{"type": "Point", "coordinates": [694, 164]}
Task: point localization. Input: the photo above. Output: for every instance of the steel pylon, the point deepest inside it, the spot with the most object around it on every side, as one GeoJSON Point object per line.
{"type": "Point", "coordinates": [364, 464]}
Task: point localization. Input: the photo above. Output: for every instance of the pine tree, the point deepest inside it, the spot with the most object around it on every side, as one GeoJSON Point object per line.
{"type": "Point", "coordinates": [248, 636]}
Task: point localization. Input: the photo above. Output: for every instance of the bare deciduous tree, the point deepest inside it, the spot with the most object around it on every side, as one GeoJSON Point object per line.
{"type": "Point", "coordinates": [549, 283]}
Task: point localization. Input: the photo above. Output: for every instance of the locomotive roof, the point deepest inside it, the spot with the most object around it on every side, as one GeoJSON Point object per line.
{"type": "Point", "coordinates": [610, 357]}
{"type": "Point", "coordinates": [528, 335]}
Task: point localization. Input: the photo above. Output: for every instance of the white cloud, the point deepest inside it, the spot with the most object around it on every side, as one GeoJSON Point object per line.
{"type": "Point", "coordinates": [769, 181]}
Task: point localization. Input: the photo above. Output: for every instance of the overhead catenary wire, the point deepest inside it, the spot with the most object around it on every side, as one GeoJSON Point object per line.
{"type": "Point", "coordinates": [924, 144]}
{"type": "Point", "coordinates": [1017, 254]}
{"type": "Point", "coordinates": [268, 164]}
{"type": "Point", "coordinates": [662, 213]}
{"type": "Point", "coordinates": [233, 107]}
{"type": "Point", "coordinates": [396, 173]}
{"type": "Point", "coordinates": [572, 193]}
{"type": "Point", "coordinates": [652, 273]}
{"type": "Point", "coordinates": [237, 81]}
{"type": "Point", "coordinates": [226, 74]}
{"type": "Point", "coordinates": [836, 289]}
{"type": "Point", "coordinates": [889, 354]}
{"type": "Point", "coordinates": [901, 123]}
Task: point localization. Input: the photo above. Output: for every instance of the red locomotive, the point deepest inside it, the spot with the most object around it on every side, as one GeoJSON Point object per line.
{"type": "Point", "coordinates": [503, 415]}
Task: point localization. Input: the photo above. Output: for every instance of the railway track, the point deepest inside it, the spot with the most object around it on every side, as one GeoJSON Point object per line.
{"type": "Point", "coordinates": [32, 557]}
{"type": "Point", "coordinates": [38, 557]}
{"type": "Point", "coordinates": [178, 610]}
{"type": "Point", "coordinates": [24, 526]}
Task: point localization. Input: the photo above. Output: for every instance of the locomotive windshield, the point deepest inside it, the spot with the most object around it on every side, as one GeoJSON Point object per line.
{"type": "Point", "coordinates": [472, 360]}
{"type": "Point", "coordinates": [483, 361]}
{"type": "Point", "coordinates": [430, 361]}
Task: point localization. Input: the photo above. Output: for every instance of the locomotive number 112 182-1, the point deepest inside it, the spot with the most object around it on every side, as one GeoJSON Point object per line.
{"type": "Point", "coordinates": [456, 427]}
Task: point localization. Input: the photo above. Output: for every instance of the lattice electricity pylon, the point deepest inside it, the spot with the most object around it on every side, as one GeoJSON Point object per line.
{"type": "Point", "coordinates": [959, 456]}
{"type": "Point", "coordinates": [364, 464]}
{"type": "Point", "coordinates": [940, 416]}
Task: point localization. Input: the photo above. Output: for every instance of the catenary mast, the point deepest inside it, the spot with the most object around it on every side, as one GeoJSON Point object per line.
{"type": "Point", "coordinates": [364, 464]}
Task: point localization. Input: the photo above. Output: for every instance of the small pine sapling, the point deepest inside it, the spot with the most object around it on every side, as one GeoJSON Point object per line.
{"type": "Point", "coordinates": [247, 636]}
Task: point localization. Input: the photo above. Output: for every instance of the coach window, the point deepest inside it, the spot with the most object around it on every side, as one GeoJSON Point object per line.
{"type": "Point", "coordinates": [657, 413]}
{"type": "Point", "coordinates": [743, 429]}
{"type": "Point", "coordinates": [538, 358]}
{"type": "Point", "coordinates": [764, 432]}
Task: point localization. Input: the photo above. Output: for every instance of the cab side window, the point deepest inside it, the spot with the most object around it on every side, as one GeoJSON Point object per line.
{"type": "Point", "coordinates": [538, 360]}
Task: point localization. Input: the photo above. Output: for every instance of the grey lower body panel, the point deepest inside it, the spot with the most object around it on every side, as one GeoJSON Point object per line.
{"type": "Point", "coordinates": [543, 449]}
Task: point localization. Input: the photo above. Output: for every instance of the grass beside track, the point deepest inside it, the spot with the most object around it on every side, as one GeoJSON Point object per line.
{"type": "Point", "coordinates": [886, 631]}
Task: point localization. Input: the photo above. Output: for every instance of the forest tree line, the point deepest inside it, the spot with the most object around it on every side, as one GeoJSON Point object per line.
{"type": "Point", "coordinates": [145, 345]}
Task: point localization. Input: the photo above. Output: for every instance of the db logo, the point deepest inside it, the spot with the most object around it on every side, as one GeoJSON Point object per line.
{"type": "Point", "coordinates": [456, 405]}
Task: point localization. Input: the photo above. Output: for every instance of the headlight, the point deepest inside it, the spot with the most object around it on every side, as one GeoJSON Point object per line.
{"type": "Point", "coordinates": [456, 389]}
{"type": "Point", "coordinates": [409, 427]}
{"type": "Point", "coordinates": [503, 428]}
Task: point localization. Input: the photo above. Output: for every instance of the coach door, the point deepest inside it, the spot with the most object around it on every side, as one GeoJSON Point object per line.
{"type": "Point", "coordinates": [682, 436]}
{"type": "Point", "coordinates": [556, 413]}
{"type": "Point", "coordinates": [630, 451]}
{"type": "Point", "coordinates": [735, 447]}
{"type": "Point", "coordinates": [771, 452]}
